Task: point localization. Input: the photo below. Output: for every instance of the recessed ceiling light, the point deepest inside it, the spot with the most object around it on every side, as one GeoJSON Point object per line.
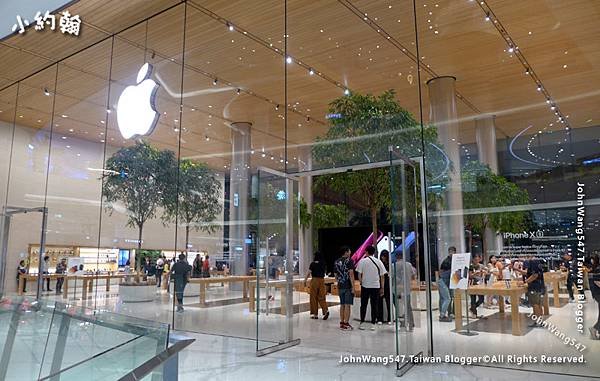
{"type": "Point", "coordinates": [71, 130]}
{"type": "Point", "coordinates": [64, 116]}
{"type": "Point", "coordinates": [64, 137]}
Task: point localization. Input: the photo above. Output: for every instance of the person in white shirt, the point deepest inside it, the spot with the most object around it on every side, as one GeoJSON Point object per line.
{"type": "Point", "coordinates": [370, 274]}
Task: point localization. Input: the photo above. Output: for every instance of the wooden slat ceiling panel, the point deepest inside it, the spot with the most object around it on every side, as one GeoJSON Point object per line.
{"type": "Point", "coordinates": [465, 46]}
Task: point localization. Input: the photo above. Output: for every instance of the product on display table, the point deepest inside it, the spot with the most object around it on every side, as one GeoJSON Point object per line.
{"type": "Point", "coordinates": [500, 289]}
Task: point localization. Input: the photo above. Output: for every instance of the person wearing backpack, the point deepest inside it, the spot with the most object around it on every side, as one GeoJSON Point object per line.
{"type": "Point", "coordinates": [344, 273]}
{"type": "Point", "coordinates": [370, 274]}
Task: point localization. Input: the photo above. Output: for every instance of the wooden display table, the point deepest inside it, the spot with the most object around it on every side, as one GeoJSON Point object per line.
{"type": "Point", "coordinates": [498, 288]}
{"type": "Point", "coordinates": [34, 278]}
{"type": "Point", "coordinates": [298, 284]}
{"type": "Point", "coordinates": [555, 279]}
{"type": "Point", "coordinates": [88, 282]}
{"type": "Point", "coordinates": [203, 282]}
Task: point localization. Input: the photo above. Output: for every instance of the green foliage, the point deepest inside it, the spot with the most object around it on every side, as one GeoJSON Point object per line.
{"type": "Point", "coordinates": [195, 202]}
{"type": "Point", "coordinates": [329, 216]}
{"type": "Point", "coordinates": [484, 189]}
{"type": "Point", "coordinates": [133, 177]}
{"type": "Point", "coordinates": [366, 128]}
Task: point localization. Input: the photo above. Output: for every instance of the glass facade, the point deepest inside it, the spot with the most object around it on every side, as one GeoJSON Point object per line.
{"type": "Point", "coordinates": [261, 134]}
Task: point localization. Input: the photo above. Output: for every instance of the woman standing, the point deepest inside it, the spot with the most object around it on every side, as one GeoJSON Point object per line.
{"type": "Point", "coordinates": [318, 293]}
{"type": "Point", "coordinates": [197, 267]}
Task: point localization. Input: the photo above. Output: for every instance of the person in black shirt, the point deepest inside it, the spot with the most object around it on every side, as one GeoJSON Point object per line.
{"type": "Point", "coordinates": [318, 291]}
{"type": "Point", "coordinates": [384, 256]}
{"type": "Point", "coordinates": [535, 286]}
{"type": "Point", "coordinates": [180, 272]}
{"type": "Point", "coordinates": [569, 264]}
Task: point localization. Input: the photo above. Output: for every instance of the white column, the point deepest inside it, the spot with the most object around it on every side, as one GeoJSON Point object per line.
{"type": "Point", "coordinates": [238, 196]}
{"type": "Point", "coordinates": [305, 191]}
{"type": "Point", "coordinates": [444, 115]}
{"type": "Point", "coordinates": [485, 134]}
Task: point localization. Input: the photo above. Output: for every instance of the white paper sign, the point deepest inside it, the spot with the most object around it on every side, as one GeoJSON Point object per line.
{"type": "Point", "coordinates": [459, 273]}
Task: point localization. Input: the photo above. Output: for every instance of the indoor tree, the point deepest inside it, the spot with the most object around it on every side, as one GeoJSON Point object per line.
{"type": "Point", "coordinates": [482, 188]}
{"type": "Point", "coordinates": [362, 130]}
{"type": "Point", "coordinates": [134, 178]}
{"type": "Point", "coordinates": [195, 201]}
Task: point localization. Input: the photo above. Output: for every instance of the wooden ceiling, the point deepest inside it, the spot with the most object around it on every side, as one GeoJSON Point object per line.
{"type": "Point", "coordinates": [343, 48]}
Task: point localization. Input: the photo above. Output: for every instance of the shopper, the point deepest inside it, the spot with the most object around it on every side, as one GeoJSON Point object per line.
{"type": "Point", "coordinates": [404, 277]}
{"type": "Point", "coordinates": [180, 273]}
{"type": "Point", "coordinates": [594, 280]}
{"type": "Point", "coordinates": [160, 268]}
{"type": "Point", "coordinates": [197, 267]}
{"type": "Point", "coordinates": [495, 268]}
{"type": "Point", "coordinates": [127, 271]}
{"type": "Point", "coordinates": [206, 267]}
{"type": "Point", "coordinates": [45, 264]}
{"type": "Point", "coordinates": [344, 273]}
{"type": "Point", "coordinates": [569, 264]}
{"type": "Point", "coordinates": [370, 274]}
{"type": "Point", "coordinates": [21, 272]}
{"type": "Point", "coordinates": [147, 267]}
{"type": "Point", "coordinates": [477, 275]}
{"type": "Point", "coordinates": [444, 286]}
{"type": "Point", "coordinates": [61, 269]}
{"type": "Point", "coordinates": [384, 256]}
{"type": "Point", "coordinates": [535, 287]}
{"type": "Point", "coordinates": [318, 292]}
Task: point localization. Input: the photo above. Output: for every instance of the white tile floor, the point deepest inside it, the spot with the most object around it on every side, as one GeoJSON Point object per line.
{"type": "Point", "coordinates": [322, 342]}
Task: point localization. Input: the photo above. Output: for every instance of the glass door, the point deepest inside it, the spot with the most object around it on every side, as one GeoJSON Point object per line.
{"type": "Point", "coordinates": [409, 286]}
{"type": "Point", "coordinates": [273, 290]}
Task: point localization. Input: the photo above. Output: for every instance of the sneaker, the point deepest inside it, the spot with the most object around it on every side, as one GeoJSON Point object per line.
{"type": "Point", "coordinates": [349, 326]}
{"type": "Point", "coordinates": [373, 327]}
{"type": "Point", "coordinates": [389, 323]}
{"type": "Point", "coordinates": [314, 317]}
{"type": "Point", "coordinates": [379, 323]}
{"type": "Point", "coordinates": [571, 300]}
{"type": "Point", "coordinates": [361, 326]}
{"type": "Point", "coordinates": [344, 327]}
{"type": "Point", "coordinates": [445, 319]}
{"type": "Point", "coordinates": [326, 316]}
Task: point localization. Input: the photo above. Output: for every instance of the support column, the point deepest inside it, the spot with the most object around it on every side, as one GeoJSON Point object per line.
{"type": "Point", "coordinates": [305, 191]}
{"type": "Point", "coordinates": [239, 191]}
{"type": "Point", "coordinates": [444, 115]}
{"type": "Point", "coordinates": [485, 134]}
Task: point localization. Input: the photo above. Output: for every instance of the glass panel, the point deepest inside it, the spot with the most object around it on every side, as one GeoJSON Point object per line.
{"type": "Point", "coordinates": [407, 259]}
{"type": "Point", "coordinates": [29, 170]}
{"type": "Point", "coordinates": [277, 304]}
{"type": "Point", "coordinates": [517, 125]}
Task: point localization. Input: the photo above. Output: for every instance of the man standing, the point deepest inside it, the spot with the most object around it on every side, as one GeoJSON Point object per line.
{"type": "Point", "coordinates": [535, 287]}
{"type": "Point", "coordinates": [404, 277]}
{"type": "Point", "coordinates": [160, 268]}
{"type": "Point", "coordinates": [569, 264]}
{"type": "Point", "coordinates": [45, 264]}
{"type": "Point", "coordinates": [180, 274]}
{"type": "Point", "coordinates": [61, 269]}
{"type": "Point", "coordinates": [477, 276]}
{"type": "Point", "coordinates": [370, 274]}
{"type": "Point", "coordinates": [444, 286]}
{"type": "Point", "coordinates": [344, 273]}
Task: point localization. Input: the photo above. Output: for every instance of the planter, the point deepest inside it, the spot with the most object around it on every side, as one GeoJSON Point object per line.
{"type": "Point", "coordinates": [137, 292]}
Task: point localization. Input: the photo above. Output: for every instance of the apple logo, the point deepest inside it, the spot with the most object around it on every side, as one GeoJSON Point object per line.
{"type": "Point", "coordinates": [136, 112]}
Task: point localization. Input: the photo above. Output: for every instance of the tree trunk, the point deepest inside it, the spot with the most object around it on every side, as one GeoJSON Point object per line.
{"type": "Point", "coordinates": [138, 255]}
{"type": "Point", "coordinates": [187, 239]}
{"type": "Point", "coordinates": [374, 224]}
